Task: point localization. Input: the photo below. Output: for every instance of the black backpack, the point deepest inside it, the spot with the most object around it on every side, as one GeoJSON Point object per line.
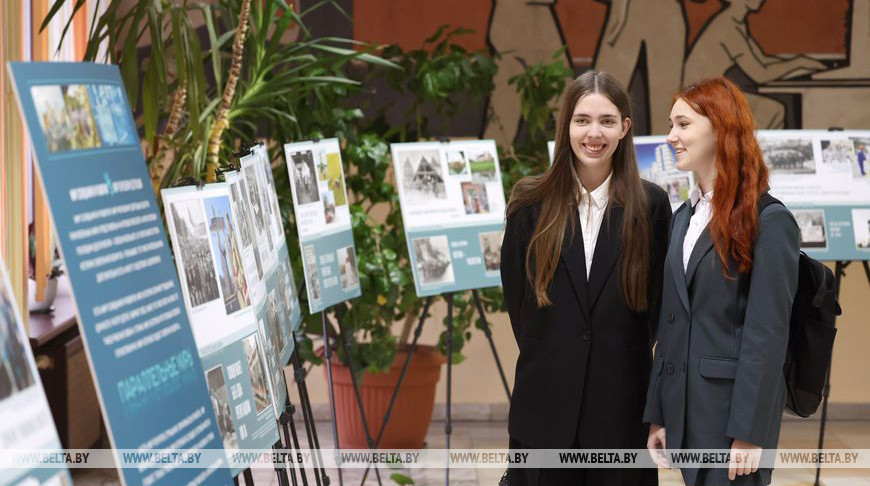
{"type": "Point", "coordinates": [811, 332]}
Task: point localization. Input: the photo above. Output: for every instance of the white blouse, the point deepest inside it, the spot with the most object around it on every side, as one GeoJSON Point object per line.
{"type": "Point", "coordinates": [592, 206]}
{"type": "Point", "coordinates": [703, 212]}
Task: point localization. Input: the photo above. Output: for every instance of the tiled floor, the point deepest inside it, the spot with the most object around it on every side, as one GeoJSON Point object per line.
{"type": "Point", "coordinates": [472, 435]}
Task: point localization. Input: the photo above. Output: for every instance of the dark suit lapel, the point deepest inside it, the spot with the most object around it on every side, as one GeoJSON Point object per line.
{"type": "Point", "coordinates": [606, 252]}
{"type": "Point", "coordinates": [675, 255]}
{"type": "Point", "coordinates": [574, 258]}
{"type": "Point", "coordinates": [702, 247]}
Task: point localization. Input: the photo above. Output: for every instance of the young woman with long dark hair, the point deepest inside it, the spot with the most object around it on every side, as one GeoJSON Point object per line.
{"type": "Point", "coordinates": [581, 268]}
{"type": "Point", "coordinates": [730, 279]}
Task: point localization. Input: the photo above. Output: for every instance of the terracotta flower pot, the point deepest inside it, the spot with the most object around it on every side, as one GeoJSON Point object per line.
{"type": "Point", "coordinates": [412, 412]}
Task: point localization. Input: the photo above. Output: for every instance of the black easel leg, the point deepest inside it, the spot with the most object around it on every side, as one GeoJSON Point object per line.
{"type": "Point", "coordinates": [839, 273]}
{"type": "Point", "coordinates": [290, 432]}
{"type": "Point", "coordinates": [448, 426]}
{"type": "Point", "coordinates": [488, 332]}
{"type": "Point", "coordinates": [308, 420]}
{"type": "Point", "coordinates": [359, 404]}
{"type": "Point", "coordinates": [280, 468]}
{"type": "Point", "coordinates": [328, 355]}
{"type": "Point", "coordinates": [249, 477]}
{"type": "Point", "coordinates": [411, 349]}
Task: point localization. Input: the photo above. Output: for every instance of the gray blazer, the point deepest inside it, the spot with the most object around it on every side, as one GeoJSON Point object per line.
{"type": "Point", "coordinates": [721, 344]}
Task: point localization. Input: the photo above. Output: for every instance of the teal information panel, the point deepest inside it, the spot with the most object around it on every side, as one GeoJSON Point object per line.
{"type": "Point", "coordinates": [453, 208]}
{"type": "Point", "coordinates": [131, 314]}
{"type": "Point", "coordinates": [323, 222]}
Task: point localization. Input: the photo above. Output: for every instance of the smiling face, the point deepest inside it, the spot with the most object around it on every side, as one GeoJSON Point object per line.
{"type": "Point", "coordinates": [693, 139]}
{"type": "Point", "coordinates": [596, 129]}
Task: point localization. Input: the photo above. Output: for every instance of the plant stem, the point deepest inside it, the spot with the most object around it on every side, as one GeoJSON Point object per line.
{"type": "Point", "coordinates": [222, 119]}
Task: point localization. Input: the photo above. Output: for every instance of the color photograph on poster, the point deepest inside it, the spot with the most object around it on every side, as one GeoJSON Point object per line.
{"type": "Point", "coordinates": [225, 248]}
{"type": "Point", "coordinates": [111, 236]}
{"type": "Point", "coordinates": [451, 196]}
{"type": "Point", "coordinates": [323, 223]}
{"type": "Point", "coordinates": [25, 417]}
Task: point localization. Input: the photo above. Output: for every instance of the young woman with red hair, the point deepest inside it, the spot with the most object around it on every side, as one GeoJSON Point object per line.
{"type": "Point", "coordinates": [730, 279]}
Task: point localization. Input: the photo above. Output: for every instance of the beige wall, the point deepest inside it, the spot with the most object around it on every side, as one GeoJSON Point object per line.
{"type": "Point", "coordinates": [476, 380]}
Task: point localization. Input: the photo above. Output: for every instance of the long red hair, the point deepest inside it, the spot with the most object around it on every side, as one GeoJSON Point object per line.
{"type": "Point", "coordinates": [741, 176]}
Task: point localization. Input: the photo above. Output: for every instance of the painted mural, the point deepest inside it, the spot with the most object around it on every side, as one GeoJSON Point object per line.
{"type": "Point", "coordinates": [803, 63]}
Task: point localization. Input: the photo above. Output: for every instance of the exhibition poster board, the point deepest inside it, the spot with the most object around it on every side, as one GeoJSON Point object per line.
{"type": "Point", "coordinates": [453, 208]}
{"type": "Point", "coordinates": [140, 346]}
{"type": "Point", "coordinates": [25, 419]}
{"type": "Point", "coordinates": [267, 264]}
{"type": "Point", "coordinates": [323, 222]}
{"type": "Point", "coordinates": [823, 177]}
{"type": "Point", "coordinates": [205, 236]}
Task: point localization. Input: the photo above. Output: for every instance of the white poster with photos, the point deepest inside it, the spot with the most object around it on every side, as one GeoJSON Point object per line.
{"type": "Point", "coordinates": [453, 208]}
{"type": "Point", "coordinates": [208, 237]}
{"type": "Point", "coordinates": [323, 223]}
{"type": "Point", "coordinates": [823, 177]}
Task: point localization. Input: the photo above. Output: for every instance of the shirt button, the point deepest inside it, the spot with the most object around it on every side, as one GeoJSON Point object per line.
{"type": "Point", "coordinates": [587, 335]}
{"type": "Point", "coordinates": [671, 318]}
{"type": "Point", "coordinates": [669, 368]}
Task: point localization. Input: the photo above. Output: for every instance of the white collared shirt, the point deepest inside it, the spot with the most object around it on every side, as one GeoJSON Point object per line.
{"type": "Point", "coordinates": [703, 212]}
{"type": "Point", "coordinates": [592, 206]}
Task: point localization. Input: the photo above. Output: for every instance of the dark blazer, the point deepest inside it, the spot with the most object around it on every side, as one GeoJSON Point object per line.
{"type": "Point", "coordinates": [717, 373]}
{"type": "Point", "coordinates": [584, 361]}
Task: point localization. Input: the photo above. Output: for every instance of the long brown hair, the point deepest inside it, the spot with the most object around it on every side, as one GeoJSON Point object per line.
{"type": "Point", "coordinates": [557, 192]}
{"type": "Point", "coordinates": [741, 176]}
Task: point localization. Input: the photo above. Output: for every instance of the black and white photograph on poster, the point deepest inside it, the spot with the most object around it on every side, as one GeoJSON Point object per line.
{"type": "Point", "coordinates": [309, 256]}
{"type": "Point", "coordinates": [285, 286]}
{"type": "Point", "coordinates": [304, 177]}
{"type": "Point", "coordinates": [250, 173]}
{"type": "Point", "coordinates": [422, 176]}
{"type": "Point", "coordinates": [433, 262]}
{"type": "Point", "coordinates": [490, 248]}
{"type": "Point", "coordinates": [15, 372]}
{"type": "Point", "coordinates": [861, 166]}
{"type": "Point", "coordinates": [347, 267]}
{"type": "Point", "coordinates": [217, 390]}
{"type": "Point", "coordinates": [788, 155]}
{"type": "Point", "coordinates": [812, 225]}
{"type": "Point", "coordinates": [231, 272]}
{"type": "Point", "coordinates": [195, 251]}
{"type": "Point", "coordinates": [66, 117]}
{"type": "Point", "coordinates": [482, 164]}
{"type": "Point", "coordinates": [861, 227]}
{"type": "Point", "coordinates": [474, 198]}
{"type": "Point", "coordinates": [328, 206]}
{"type": "Point", "coordinates": [246, 231]}
{"type": "Point", "coordinates": [273, 319]}
{"type": "Point", "coordinates": [837, 153]}
{"type": "Point", "coordinates": [456, 163]}
{"type": "Point", "coordinates": [257, 371]}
